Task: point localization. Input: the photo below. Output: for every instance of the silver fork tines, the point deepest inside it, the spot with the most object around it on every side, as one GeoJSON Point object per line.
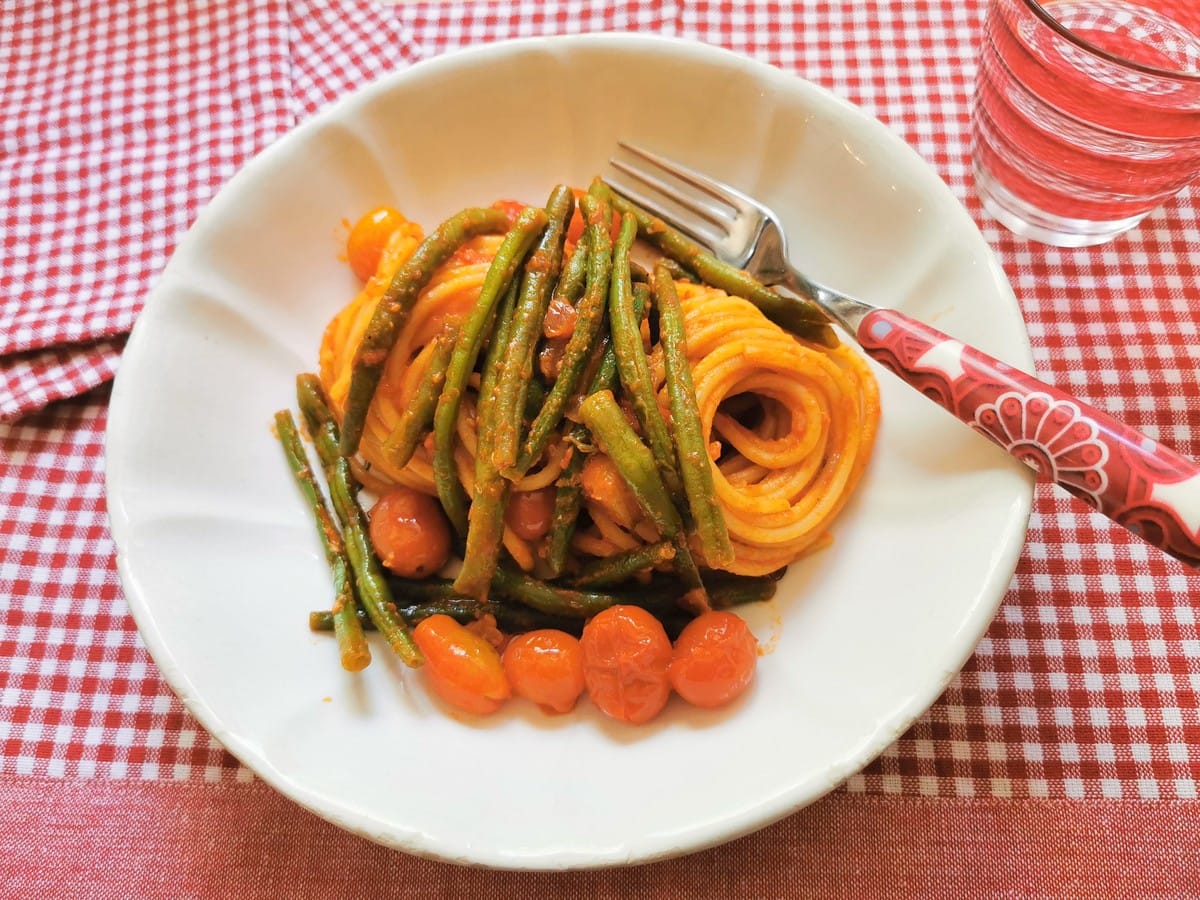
{"type": "Point", "coordinates": [699, 224]}
{"type": "Point", "coordinates": [723, 219]}
{"type": "Point", "coordinates": [719, 215]}
{"type": "Point", "coordinates": [736, 228]}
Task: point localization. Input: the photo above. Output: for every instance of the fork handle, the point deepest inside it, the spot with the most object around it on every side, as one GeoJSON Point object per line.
{"type": "Point", "coordinates": [1131, 478]}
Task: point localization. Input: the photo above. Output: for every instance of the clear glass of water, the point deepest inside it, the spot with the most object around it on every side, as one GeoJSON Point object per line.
{"type": "Point", "coordinates": [1086, 114]}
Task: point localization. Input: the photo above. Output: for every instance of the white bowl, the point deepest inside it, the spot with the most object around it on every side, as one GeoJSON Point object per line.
{"type": "Point", "coordinates": [221, 562]}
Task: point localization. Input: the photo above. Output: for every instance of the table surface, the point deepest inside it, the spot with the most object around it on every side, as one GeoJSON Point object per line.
{"type": "Point", "coordinates": [1062, 760]}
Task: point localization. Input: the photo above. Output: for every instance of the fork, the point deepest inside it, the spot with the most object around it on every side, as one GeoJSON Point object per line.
{"type": "Point", "coordinates": [1126, 475]}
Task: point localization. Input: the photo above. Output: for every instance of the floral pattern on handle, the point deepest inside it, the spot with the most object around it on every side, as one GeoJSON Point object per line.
{"type": "Point", "coordinates": [1050, 435]}
{"type": "Point", "coordinates": [1129, 477]}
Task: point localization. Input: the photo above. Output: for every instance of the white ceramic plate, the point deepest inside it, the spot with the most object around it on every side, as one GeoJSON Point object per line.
{"type": "Point", "coordinates": [220, 560]}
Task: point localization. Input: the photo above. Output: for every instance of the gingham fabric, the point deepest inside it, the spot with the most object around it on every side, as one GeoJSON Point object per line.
{"type": "Point", "coordinates": [118, 121]}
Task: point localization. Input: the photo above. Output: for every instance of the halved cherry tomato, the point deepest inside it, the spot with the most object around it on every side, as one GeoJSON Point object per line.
{"type": "Point", "coordinates": [602, 483]}
{"type": "Point", "coordinates": [546, 667]}
{"type": "Point", "coordinates": [714, 659]}
{"type": "Point", "coordinates": [462, 667]}
{"type": "Point", "coordinates": [626, 654]}
{"type": "Point", "coordinates": [368, 237]}
{"type": "Point", "coordinates": [410, 533]}
{"type": "Point", "coordinates": [529, 513]}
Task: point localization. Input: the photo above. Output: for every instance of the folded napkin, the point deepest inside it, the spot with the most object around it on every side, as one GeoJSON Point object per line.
{"type": "Point", "coordinates": [118, 122]}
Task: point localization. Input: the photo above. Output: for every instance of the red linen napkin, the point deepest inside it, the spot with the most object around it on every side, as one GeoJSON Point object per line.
{"type": "Point", "coordinates": [118, 122]}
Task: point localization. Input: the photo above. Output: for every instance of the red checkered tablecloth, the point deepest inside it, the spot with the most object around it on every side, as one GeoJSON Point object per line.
{"type": "Point", "coordinates": [1063, 760]}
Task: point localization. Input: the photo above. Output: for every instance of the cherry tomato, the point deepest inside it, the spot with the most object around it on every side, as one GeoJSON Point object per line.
{"type": "Point", "coordinates": [602, 483]}
{"type": "Point", "coordinates": [368, 237]}
{"type": "Point", "coordinates": [546, 667]}
{"type": "Point", "coordinates": [714, 659]}
{"type": "Point", "coordinates": [626, 654]}
{"type": "Point", "coordinates": [462, 667]}
{"type": "Point", "coordinates": [410, 533]}
{"type": "Point", "coordinates": [529, 513]}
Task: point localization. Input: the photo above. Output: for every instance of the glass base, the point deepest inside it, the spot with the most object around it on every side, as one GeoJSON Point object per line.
{"type": "Point", "coordinates": [1028, 221]}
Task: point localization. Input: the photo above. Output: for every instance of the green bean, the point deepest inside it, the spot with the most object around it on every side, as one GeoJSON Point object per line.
{"type": "Point", "coordinates": [695, 599]}
{"type": "Point", "coordinates": [421, 590]}
{"type": "Point", "coordinates": [484, 532]}
{"type": "Point", "coordinates": [394, 308]}
{"type": "Point", "coordinates": [723, 594]}
{"type": "Point", "coordinates": [372, 587]}
{"type": "Point", "coordinates": [541, 274]}
{"type": "Point", "coordinates": [511, 618]}
{"type": "Point", "coordinates": [501, 274]}
{"type": "Point", "coordinates": [678, 272]}
{"type": "Point", "coordinates": [568, 496]}
{"type": "Point", "coordinates": [633, 459]}
{"type": "Point", "coordinates": [462, 611]}
{"type": "Point", "coordinates": [516, 618]}
{"type": "Point", "coordinates": [486, 515]}
{"type": "Point", "coordinates": [493, 360]}
{"type": "Point", "coordinates": [641, 301]}
{"type": "Point", "coordinates": [322, 620]}
{"type": "Point", "coordinates": [353, 651]}
{"type": "Point", "coordinates": [502, 416]}
{"type": "Point", "coordinates": [524, 603]}
{"type": "Point", "coordinates": [797, 315]}
{"type": "Point", "coordinates": [484, 411]}
{"type": "Point", "coordinates": [725, 590]}
{"type": "Point", "coordinates": [662, 597]}
{"type": "Point", "coordinates": [632, 364]}
{"type": "Point", "coordinates": [637, 468]}
{"type": "Point", "coordinates": [547, 598]}
{"type": "Point", "coordinates": [514, 585]}
{"type": "Point", "coordinates": [535, 397]}
{"type": "Point", "coordinates": [605, 377]}
{"type": "Point", "coordinates": [612, 570]}
{"type": "Point", "coordinates": [417, 417]}
{"type": "Point", "coordinates": [691, 449]}
{"type": "Point", "coordinates": [588, 324]}
{"type": "Point", "coordinates": [574, 274]}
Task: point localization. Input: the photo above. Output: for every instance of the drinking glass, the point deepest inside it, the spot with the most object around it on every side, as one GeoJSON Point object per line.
{"type": "Point", "coordinates": [1086, 114]}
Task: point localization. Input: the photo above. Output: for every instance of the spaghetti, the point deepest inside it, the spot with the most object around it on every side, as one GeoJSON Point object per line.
{"type": "Point", "coordinates": [789, 424]}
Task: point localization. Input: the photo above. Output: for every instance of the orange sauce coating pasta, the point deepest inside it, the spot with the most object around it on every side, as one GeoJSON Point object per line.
{"type": "Point", "coordinates": [790, 425]}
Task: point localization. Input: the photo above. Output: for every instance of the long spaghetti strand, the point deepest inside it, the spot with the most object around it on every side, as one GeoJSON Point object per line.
{"type": "Point", "coordinates": [789, 424]}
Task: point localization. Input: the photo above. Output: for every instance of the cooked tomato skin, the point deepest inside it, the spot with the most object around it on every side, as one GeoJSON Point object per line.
{"type": "Point", "coordinates": [461, 666]}
{"type": "Point", "coordinates": [368, 237]}
{"type": "Point", "coordinates": [602, 482]}
{"type": "Point", "coordinates": [545, 667]}
{"type": "Point", "coordinates": [510, 208]}
{"type": "Point", "coordinates": [410, 533]}
{"type": "Point", "coordinates": [578, 223]}
{"type": "Point", "coordinates": [626, 655]}
{"type": "Point", "coordinates": [529, 513]}
{"type": "Point", "coordinates": [714, 659]}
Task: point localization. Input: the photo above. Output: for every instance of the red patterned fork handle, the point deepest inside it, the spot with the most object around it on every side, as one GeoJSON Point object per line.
{"type": "Point", "coordinates": [1131, 478]}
